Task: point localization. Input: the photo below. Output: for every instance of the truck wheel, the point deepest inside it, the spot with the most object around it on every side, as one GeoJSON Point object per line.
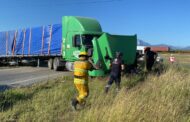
{"type": "Point", "coordinates": [56, 64]}
{"type": "Point", "coordinates": [69, 66]}
{"type": "Point", "coordinates": [50, 63]}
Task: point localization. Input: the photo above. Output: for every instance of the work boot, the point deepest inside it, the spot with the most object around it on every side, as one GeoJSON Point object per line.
{"type": "Point", "coordinates": [74, 104]}
{"type": "Point", "coordinates": [106, 89]}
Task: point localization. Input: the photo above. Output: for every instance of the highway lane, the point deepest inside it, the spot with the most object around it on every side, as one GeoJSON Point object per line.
{"type": "Point", "coordinates": [24, 76]}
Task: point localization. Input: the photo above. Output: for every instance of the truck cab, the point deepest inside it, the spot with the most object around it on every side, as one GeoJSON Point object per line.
{"type": "Point", "coordinates": [85, 34]}
{"type": "Point", "coordinates": [77, 35]}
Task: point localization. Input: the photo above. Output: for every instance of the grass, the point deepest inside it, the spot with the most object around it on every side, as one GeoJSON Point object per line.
{"type": "Point", "coordinates": [164, 98]}
{"type": "Point", "coordinates": [182, 59]}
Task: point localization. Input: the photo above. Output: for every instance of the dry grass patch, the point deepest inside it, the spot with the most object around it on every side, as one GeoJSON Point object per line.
{"type": "Point", "coordinates": [164, 98]}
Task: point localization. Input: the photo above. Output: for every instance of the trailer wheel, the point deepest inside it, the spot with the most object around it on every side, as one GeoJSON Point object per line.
{"type": "Point", "coordinates": [56, 64]}
{"type": "Point", "coordinates": [50, 63]}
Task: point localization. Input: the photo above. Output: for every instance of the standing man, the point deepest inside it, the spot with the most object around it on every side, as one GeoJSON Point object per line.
{"type": "Point", "coordinates": [115, 75]}
{"type": "Point", "coordinates": [81, 69]}
{"type": "Point", "coordinates": [150, 58]}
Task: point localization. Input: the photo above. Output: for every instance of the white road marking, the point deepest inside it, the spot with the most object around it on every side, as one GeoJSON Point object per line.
{"type": "Point", "coordinates": [32, 79]}
{"type": "Point", "coordinates": [8, 69]}
{"type": "Point", "coordinates": [24, 70]}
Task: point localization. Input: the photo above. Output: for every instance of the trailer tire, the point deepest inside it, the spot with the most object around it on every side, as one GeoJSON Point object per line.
{"type": "Point", "coordinates": [50, 63]}
{"type": "Point", "coordinates": [56, 66]}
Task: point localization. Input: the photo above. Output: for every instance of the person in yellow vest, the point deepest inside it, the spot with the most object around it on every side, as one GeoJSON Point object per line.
{"type": "Point", "coordinates": [81, 68]}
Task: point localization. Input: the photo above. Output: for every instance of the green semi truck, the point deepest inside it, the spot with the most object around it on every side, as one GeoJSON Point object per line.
{"type": "Point", "coordinates": [81, 34]}
{"type": "Point", "coordinates": [60, 45]}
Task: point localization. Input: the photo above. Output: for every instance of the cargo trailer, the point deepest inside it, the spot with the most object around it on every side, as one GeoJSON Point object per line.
{"type": "Point", "coordinates": [60, 45]}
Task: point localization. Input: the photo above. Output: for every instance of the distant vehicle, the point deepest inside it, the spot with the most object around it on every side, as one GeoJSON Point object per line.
{"type": "Point", "coordinates": [60, 45]}
{"type": "Point", "coordinates": [141, 51]}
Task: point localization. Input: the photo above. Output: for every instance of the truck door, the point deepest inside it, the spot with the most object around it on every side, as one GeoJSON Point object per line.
{"type": "Point", "coordinates": [72, 47]}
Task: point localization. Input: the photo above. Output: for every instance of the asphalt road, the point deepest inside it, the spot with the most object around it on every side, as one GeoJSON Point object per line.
{"type": "Point", "coordinates": [25, 76]}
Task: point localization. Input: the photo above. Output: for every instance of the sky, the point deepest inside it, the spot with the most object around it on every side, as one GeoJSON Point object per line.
{"type": "Point", "coordinates": [154, 21]}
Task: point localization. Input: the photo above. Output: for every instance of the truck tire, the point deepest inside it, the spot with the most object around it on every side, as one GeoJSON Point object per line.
{"type": "Point", "coordinates": [50, 63]}
{"type": "Point", "coordinates": [69, 66]}
{"type": "Point", "coordinates": [58, 64]}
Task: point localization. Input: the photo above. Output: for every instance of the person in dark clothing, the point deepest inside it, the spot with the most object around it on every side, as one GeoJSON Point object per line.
{"type": "Point", "coordinates": [115, 75]}
{"type": "Point", "coordinates": [150, 58]}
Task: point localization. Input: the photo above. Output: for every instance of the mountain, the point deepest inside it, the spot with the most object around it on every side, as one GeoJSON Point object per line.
{"type": "Point", "coordinates": [170, 46]}
{"type": "Point", "coordinates": [144, 43]}
{"type": "Point", "coordinates": [186, 48]}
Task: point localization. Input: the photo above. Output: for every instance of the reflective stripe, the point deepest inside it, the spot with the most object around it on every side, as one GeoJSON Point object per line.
{"type": "Point", "coordinates": [80, 81]}
{"type": "Point", "coordinates": [80, 70]}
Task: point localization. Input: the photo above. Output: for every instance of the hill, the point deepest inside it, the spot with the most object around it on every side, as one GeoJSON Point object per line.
{"type": "Point", "coordinates": [186, 48]}
{"type": "Point", "coordinates": [163, 98]}
{"type": "Point", "coordinates": [144, 43]}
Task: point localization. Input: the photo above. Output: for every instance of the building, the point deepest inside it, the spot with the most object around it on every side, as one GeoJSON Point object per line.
{"type": "Point", "coordinates": [140, 49]}
{"type": "Point", "coordinates": [160, 48]}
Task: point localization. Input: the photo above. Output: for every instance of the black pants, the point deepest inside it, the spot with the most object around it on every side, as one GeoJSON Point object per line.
{"type": "Point", "coordinates": [116, 79]}
{"type": "Point", "coordinates": [149, 65]}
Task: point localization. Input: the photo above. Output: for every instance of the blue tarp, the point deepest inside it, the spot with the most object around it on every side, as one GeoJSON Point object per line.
{"type": "Point", "coordinates": [46, 40]}
{"type": "Point", "coordinates": [3, 43]}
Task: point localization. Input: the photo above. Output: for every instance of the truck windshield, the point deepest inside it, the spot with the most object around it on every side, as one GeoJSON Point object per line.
{"type": "Point", "coordinates": [87, 39]}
